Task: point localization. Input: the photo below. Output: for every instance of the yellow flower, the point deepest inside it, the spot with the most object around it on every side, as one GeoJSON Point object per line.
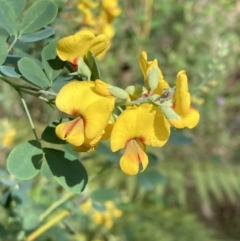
{"type": "Point", "coordinates": [111, 8]}
{"type": "Point", "coordinates": [8, 138]}
{"type": "Point", "coordinates": [88, 4]}
{"type": "Point", "coordinates": [88, 17]}
{"type": "Point", "coordinates": [76, 46]}
{"type": "Point", "coordinates": [146, 67]}
{"type": "Point", "coordinates": [189, 117]}
{"type": "Point", "coordinates": [135, 128]}
{"type": "Point", "coordinates": [106, 217]}
{"type": "Point", "coordinates": [91, 111]}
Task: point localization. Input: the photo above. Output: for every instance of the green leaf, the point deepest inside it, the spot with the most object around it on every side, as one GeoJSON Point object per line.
{"type": "Point", "coordinates": [104, 194]}
{"type": "Point", "coordinates": [41, 13]}
{"type": "Point", "coordinates": [61, 81]}
{"type": "Point", "coordinates": [25, 160]}
{"type": "Point", "coordinates": [49, 134]}
{"type": "Point", "coordinates": [32, 72]}
{"type": "Point", "coordinates": [3, 50]}
{"type": "Point", "coordinates": [8, 17]}
{"type": "Point", "coordinates": [9, 71]}
{"type": "Point", "coordinates": [67, 170]}
{"type": "Point", "coordinates": [36, 36]}
{"type": "Point", "coordinates": [52, 64]}
{"type": "Point", "coordinates": [17, 6]}
{"type": "Point", "coordinates": [92, 64]}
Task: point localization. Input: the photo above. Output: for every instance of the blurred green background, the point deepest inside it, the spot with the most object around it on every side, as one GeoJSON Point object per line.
{"type": "Point", "coordinates": [191, 188]}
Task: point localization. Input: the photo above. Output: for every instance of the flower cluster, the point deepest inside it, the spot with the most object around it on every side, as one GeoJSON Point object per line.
{"type": "Point", "coordinates": [147, 112]}
{"type": "Point", "coordinates": [105, 217]}
{"type": "Point", "coordinates": [101, 23]}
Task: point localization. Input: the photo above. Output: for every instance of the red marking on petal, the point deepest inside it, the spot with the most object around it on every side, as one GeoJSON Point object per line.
{"type": "Point", "coordinates": [74, 112]}
{"type": "Point", "coordinates": [75, 62]}
{"type": "Point", "coordinates": [139, 158]}
{"type": "Point", "coordinates": [142, 139]}
{"type": "Point", "coordinates": [72, 126]}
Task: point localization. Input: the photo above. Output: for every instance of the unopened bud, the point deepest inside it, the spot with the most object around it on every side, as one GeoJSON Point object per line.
{"type": "Point", "coordinates": [83, 69]}
{"type": "Point", "coordinates": [135, 91]}
{"type": "Point", "coordinates": [118, 92]}
{"type": "Point", "coordinates": [153, 78]}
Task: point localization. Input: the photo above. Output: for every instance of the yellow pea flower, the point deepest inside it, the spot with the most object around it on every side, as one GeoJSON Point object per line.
{"type": "Point", "coordinates": [76, 46]}
{"type": "Point", "coordinates": [91, 111]}
{"type": "Point", "coordinates": [135, 128]}
{"type": "Point", "coordinates": [88, 4]}
{"type": "Point", "coordinates": [189, 117]}
{"type": "Point", "coordinates": [111, 8]}
{"type": "Point", "coordinates": [87, 15]}
{"type": "Point", "coordinates": [146, 67]}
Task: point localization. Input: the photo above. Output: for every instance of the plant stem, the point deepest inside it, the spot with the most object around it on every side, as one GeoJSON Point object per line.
{"type": "Point", "coordinates": [28, 114]}
{"type": "Point", "coordinates": [54, 220]}
{"type": "Point", "coordinates": [55, 205]}
{"type": "Point", "coordinates": [13, 43]}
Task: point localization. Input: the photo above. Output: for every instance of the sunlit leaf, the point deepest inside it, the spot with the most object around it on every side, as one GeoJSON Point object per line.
{"type": "Point", "coordinates": [9, 71]}
{"type": "Point", "coordinates": [32, 72]}
{"type": "Point", "coordinates": [40, 13]}
{"type": "Point", "coordinates": [25, 160]}
{"type": "Point", "coordinates": [3, 50]}
{"type": "Point", "coordinates": [17, 6]}
{"type": "Point", "coordinates": [50, 61]}
{"type": "Point", "coordinates": [8, 17]}
{"type": "Point", "coordinates": [67, 170]}
{"type": "Point", "coordinates": [39, 35]}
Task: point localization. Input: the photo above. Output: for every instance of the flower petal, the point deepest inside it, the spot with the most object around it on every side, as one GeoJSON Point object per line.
{"type": "Point", "coordinates": [133, 156]}
{"type": "Point", "coordinates": [99, 44]}
{"type": "Point", "coordinates": [74, 98]}
{"type": "Point", "coordinates": [182, 99]}
{"type": "Point", "coordinates": [145, 122]}
{"type": "Point", "coordinates": [192, 118]}
{"type": "Point", "coordinates": [74, 46]}
{"type": "Point", "coordinates": [88, 145]}
{"type": "Point", "coordinates": [97, 116]}
{"type": "Point", "coordinates": [71, 131]}
{"type": "Point", "coordinates": [152, 127]}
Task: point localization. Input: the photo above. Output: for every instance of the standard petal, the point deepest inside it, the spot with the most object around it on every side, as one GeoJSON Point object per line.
{"type": "Point", "coordinates": [74, 98]}
{"type": "Point", "coordinates": [133, 156]}
{"type": "Point", "coordinates": [152, 127]}
{"type": "Point", "coordinates": [74, 46]}
{"type": "Point", "coordinates": [99, 44]}
{"type": "Point", "coordinates": [97, 115]}
{"type": "Point", "coordinates": [71, 131]}
{"type": "Point", "coordinates": [124, 129]}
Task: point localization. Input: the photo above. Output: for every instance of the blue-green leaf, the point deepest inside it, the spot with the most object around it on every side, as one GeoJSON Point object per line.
{"type": "Point", "coordinates": [25, 160]}
{"type": "Point", "coordinates": [52, 64]}
{"type": "Point", "coordinates": [67, 170]}
{"type": "Point", "coordinates": [3, 50]}
{"type": "Point", "coordinates": [36, 36]}
{"type": "Point", "coordinates": [41, 13]}
{"type": "Point", "coordinates": [32, 72]}
{"type": "Point", "coordinates": [8, 17]}
{"type": "Point", "coordinates": [9, 71]}
{"type": "Point", "coordinates": [17, 6]}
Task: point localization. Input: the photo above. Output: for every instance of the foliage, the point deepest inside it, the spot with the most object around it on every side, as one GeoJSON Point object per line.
{"type": "Point", "coordinates": [190, 189]}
